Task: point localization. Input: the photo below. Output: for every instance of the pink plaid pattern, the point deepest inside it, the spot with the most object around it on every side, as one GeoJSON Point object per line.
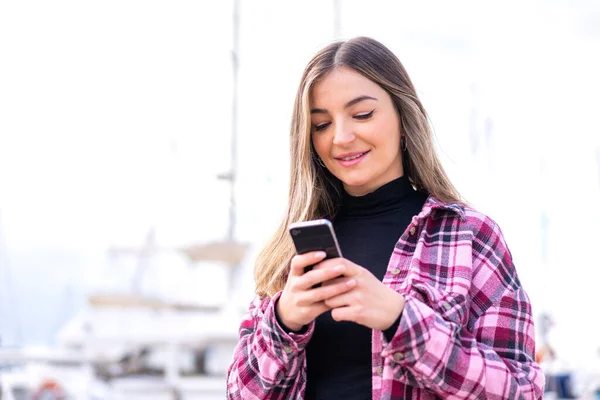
{"type": "Point", "coordinates": [466, 331]}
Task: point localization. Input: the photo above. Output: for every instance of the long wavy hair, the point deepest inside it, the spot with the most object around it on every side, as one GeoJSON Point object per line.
{"type": "Point", "coordinates": [314, 192]}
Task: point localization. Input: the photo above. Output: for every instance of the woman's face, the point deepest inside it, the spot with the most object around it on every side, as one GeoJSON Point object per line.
{"type": "Point", "coordinates": [356, 131]}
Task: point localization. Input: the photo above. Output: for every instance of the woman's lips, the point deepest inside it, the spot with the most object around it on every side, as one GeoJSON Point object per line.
{"type": "Point", "coordinates": [351, 159]}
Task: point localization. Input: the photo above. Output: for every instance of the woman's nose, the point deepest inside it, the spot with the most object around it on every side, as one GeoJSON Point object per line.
{"type": "Point", "coordinates": [343, 134]}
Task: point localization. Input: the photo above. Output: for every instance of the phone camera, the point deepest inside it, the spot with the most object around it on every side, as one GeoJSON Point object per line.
{"type": "Point", "coordinates": [295, 232]}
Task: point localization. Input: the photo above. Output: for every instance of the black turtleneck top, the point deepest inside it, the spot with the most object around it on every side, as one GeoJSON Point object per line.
{"type": "Point", "coordinates": [367, 228]}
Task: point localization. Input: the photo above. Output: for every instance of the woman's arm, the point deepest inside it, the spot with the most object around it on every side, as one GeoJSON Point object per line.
{"type": "Point", "coordinates": [494, 358]}
{"type": "Point", "coordinates": [268, 362]}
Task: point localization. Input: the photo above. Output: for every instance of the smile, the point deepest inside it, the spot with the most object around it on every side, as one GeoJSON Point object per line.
{"type": "Point", "coordinates": [351, 159]}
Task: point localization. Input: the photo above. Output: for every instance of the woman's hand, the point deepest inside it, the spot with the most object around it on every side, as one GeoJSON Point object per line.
{"type": "Point", "coordinates": [300, 303]}
{"type": "Point", "coordinates": [369, 302]}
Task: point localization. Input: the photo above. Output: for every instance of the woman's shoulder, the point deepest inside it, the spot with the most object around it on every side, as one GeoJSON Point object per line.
{"type": "Point", "coordinates": [463, 223]}
{"type": "Point", "coordinates": [461, 216]}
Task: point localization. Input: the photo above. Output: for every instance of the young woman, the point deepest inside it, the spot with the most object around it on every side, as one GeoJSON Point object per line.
{"type": "Point", "coordinates": [428, 304]}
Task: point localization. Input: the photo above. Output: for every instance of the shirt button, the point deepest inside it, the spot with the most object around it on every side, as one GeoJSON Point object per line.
{"type": "Point", "coordinates": [395, 271]}
{"type": "Point", "coordinates": [288, 349]}
{"type": "Point", "coordinates": [447, 306]}
{"type": "Point", "coordinates": [398, 356]}
{"type": "Point", "coordinates": [412, 230]}
{"type": "Point", "coordinates": [379, 371]}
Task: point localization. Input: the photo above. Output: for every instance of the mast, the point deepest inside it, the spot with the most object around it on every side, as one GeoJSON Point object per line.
{"type": "Point", "coordinates": [337, 19]}
{"type": "Point", "coordinates": [232, 175]}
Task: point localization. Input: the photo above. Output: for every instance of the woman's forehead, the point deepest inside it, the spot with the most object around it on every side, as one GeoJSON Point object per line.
{"type": "Point", "coordinates": [342, 85]}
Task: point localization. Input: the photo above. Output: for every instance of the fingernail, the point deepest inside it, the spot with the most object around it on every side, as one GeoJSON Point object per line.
{"type": "Point", "coordinates": [351, 283]}
{"type": "Point", "coordinates": [338, 268]}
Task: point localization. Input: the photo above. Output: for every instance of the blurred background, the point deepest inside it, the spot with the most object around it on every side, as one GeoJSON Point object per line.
{"type": "Point", "coordinates": [144, 162]}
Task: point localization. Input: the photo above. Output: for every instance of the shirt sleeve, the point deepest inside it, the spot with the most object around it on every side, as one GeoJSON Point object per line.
{"type": "Point", "coordinates": [490, 357]}
{"type": "Point", "coordinates": [268, 362]}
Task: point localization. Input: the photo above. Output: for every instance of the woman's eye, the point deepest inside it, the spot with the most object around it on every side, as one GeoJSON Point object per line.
{"type": "Point", "coordinates": [364, 116]}
{"type": "Point", "coordinates": [320, 127]}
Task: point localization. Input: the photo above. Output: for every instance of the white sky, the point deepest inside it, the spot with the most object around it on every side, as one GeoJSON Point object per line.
{"type": "Point", "coordinates": [116, 115]}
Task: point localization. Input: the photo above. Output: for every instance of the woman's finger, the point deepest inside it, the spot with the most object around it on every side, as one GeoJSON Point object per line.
{"type": "Point", "coordinates": [341, 300]}
{"type": "Point", "coordinates": [344, 314]}
{"type": "Point", "coordinates": [331, 290]}
{"type": "Point", "coordinates": [335, 281]}
{"type": "Point", "coordinates": [301, 261]}
{"type": "Point", "coordinates": [329, 263]}
{"type": "Point", "coordinates": [320, 275]}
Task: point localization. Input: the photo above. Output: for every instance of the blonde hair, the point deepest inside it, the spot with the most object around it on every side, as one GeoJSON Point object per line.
{"type": "Point", "coordinates": [314, 192]}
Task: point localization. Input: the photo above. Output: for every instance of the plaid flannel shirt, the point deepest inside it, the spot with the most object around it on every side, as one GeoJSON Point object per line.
{"type": "Point", "coordinates": [466, 330]}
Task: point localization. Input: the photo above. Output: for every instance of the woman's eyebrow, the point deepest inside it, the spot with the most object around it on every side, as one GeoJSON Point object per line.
{"type": "Point", "coordinates": [348, 104]}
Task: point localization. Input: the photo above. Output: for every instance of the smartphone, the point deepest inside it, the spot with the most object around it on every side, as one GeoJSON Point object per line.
{"type": "Point", "coordinates": [317, 235]}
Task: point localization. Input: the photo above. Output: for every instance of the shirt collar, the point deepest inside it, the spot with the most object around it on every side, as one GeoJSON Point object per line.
{"type": "Point", "coordinates": [432, 204]}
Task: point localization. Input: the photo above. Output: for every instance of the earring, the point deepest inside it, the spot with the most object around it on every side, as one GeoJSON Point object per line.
{"type": "Point", "coordinates": [403, 143]}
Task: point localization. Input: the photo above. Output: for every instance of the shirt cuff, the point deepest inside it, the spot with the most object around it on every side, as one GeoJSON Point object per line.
{"type": "Point", "coordinates": [391, 331]}
{"type": "Point", "coordinates": [291, 342]}
{"type": "Point", "coordinates": [409, 342]}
